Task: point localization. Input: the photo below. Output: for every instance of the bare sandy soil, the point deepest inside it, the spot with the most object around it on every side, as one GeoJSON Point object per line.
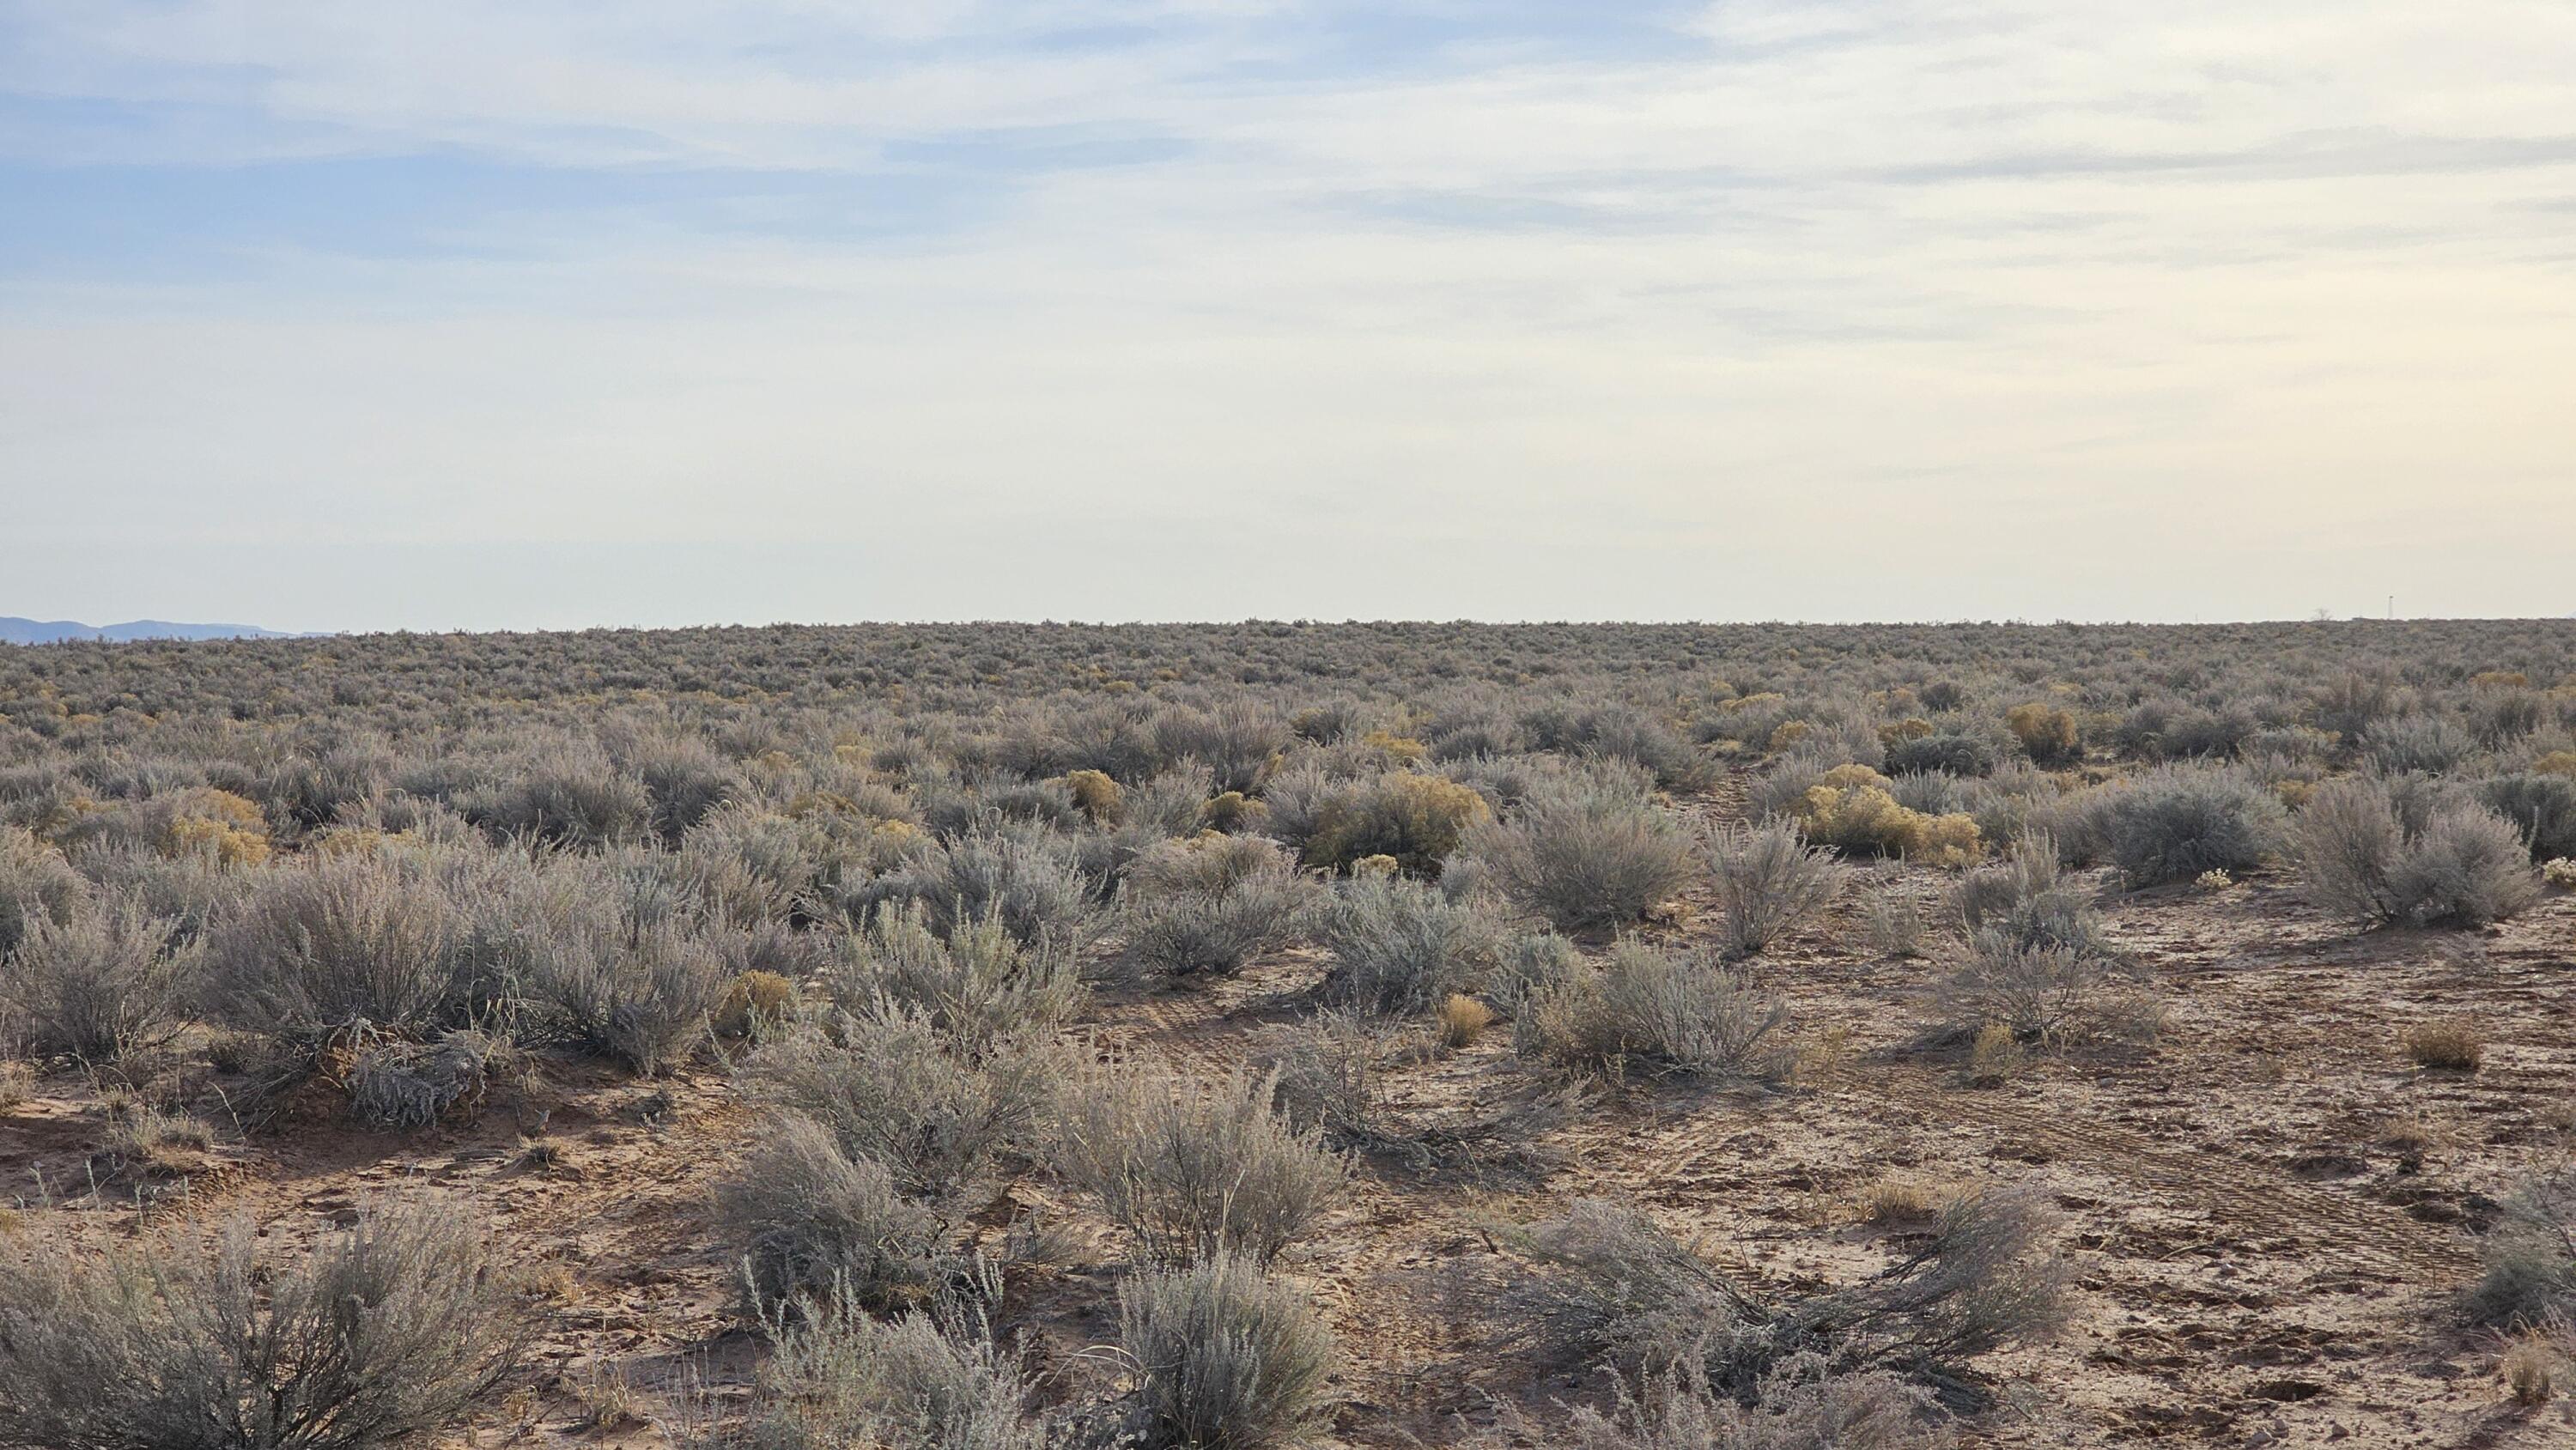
{"type": "Point", "coordinates": [2269, 1209]}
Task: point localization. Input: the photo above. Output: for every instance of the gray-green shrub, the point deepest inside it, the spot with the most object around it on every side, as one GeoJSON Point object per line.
{"type": "Point", "coordinates": [837, 1378]}
{"type": "Point", "coordinates": [2027, 901]}
{"type": "Point", "coordinates": [2530, 1255]}
{"type": "Point", "coordinates": [1400, 946]}
{"type": "Point", "coordinates": [1658, 1012]}
{"type": "Point", "coordinates": [2043, 991]}
{"type": "Point", "coordinates": [1768, 881]}
{"type": "Point", "coordinates": [1194, 1172]}
{"type": "Point", "coordinates": [332, 941]}
{"type": "Point", "coordinates": [2542, 807]}
{"type": "Point", "coordinates": [1608, 1280]}
{"type": "Point", "coordinates": [98, 987]}
{"type": "Point", "coordinates": [382, 1336]}
{"type": "Point", "coordinates": [891, 1087]}
{"type": "Point", "coordinates": [2463, 866]}
{"type": "Point", "coordinates": [2467, 867]}
{"type": "Point", "coordinates": [637, 994]}
{"type": "Point", "coordinates": [1229, 1359]}
{"type": "Point", "coordinates": [1585, 853]}
{"type": "Point", "coordinates": [1211, 903]}
{"type": "Point", "coordinates": [1802, 1404]}
{"type": "Point", "coordinates": [813, 1221]}
{"type": "Point", "coordinates": [34, 880]}
{"type": "Point", "coordinates": [1028, 879]}
{"type": "Point", "coordinates": [2178, 822]}
{"type": "Point", "coordinates": [976, 984]}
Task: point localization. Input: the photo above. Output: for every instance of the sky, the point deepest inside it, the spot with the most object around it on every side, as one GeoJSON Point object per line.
{"type": "Point", "coordinates": [532, 314]}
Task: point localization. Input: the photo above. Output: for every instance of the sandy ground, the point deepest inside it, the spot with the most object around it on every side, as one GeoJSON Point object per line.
{"type": "Point", "coordinates": [2269, 1210]}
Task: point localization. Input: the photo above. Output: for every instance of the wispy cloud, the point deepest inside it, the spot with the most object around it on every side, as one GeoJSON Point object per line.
{"type": "Point", "coordinates": [2066, 297]}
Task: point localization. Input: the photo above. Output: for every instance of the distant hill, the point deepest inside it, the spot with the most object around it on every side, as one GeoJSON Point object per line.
{"type": "Point", "coordinates": [51, 631]}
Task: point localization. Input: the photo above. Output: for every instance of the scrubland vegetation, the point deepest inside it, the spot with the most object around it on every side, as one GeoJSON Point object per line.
{"type": "Point", "coordinates": [1258, 1035]}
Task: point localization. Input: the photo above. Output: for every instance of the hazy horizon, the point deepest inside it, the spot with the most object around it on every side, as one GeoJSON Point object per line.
{"type": "Point", "coordinates": [551, 315]}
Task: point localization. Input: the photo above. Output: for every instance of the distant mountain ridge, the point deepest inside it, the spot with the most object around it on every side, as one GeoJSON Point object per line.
{"type": "Point", "coordinates": [53, 631]}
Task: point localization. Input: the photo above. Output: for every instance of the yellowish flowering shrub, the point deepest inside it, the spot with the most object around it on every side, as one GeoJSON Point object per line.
{"type": "Point", "coordinates": [1402, 749]}
{"type": "Point", "coordinates": [1912, 727]}
{"type": "Point", "coordinates": [1417, 819]}
{"type": "Point", "coordinates": [1233, 813]}
{"type": "Point", "coordinates": [752, 1000]}
{"type": "Point", "coordinates": [1852, 809]}
{"type": "Point", "coordinates": [347, 841]}
{"type": "Point", "coordinates": [217, 821]}
{"type": "Point", "coordinates": [1097, 795]}
{"type": "Point", "coordinates": [2050, 736]}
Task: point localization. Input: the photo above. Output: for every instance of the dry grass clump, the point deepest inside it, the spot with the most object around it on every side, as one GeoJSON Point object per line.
{"type": "Point", "coordinates": [1607, 1280]}
{"type": "Point", "coordinates": [1901, 1200]}
{"type": "Point", "coordinates": [1995, 1055]}
{"type": "Point", "coordinates": [2456, 1044]}
{"type": "Point", "coordinates": [1211, 903]}
{"type": "Point", "coordinates": [838, 1378]}
{"type": "Point", "coordinates": [145, 1143]}
{"type": "Point", "coordinates": [2043, 994]}
{"type": "Point", "coordinates": [1399, 946]}
{"type": "Point", "coordinates": [382, 1336]}
{"type": "Point", "coordinates": [396, 1084]}
{"type": "Point", "coordinates": [1226, 1358]}
{"type": "Point", "coordinates": [1583, 852]}
{"type": "Point", "coordinates": [1896, 925]}
{"type": "Point", "coordinates": [1462, 1019]}
{"type": "Point", "coordinates": [2530, 1256]}
{"type": "Point", "coordinates": [1197, 1172]}
{"type": "Point", "coordinates": [99, 986]}
{"type": "Point", "coordinates": [2560, 873]}
{"type": "Point", "coordinates": [17, 1084]}
{"type": "Point", "coordinates": [2533, 1365]}
{"type": "Point", "coordinates": [2464, 866]}
{"type": "Point", "coordinates": [1656, 1012]}
{"type": "Point", "coordinates": [1801, 1405]}
{"type": "Point", "coordinates": [1769, 880]}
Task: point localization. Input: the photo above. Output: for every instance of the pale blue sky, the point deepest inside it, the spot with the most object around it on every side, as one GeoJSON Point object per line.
{"type": "Point", "coordinates": [482, 314]}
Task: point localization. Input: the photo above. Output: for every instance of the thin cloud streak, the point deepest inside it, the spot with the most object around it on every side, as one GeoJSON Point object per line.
{"type": "Point", "coordinates": [1827, 293]}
